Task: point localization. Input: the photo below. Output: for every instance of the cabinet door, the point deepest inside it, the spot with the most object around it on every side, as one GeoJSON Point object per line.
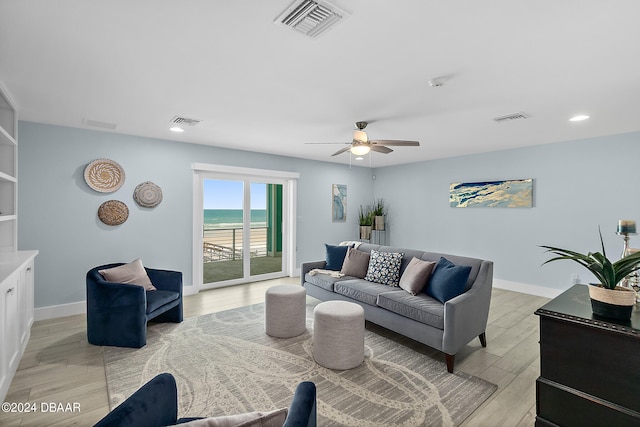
{"type": "Point", "coordinates": [9, 350]}
{"type": "Point", "coordinates": [25, 303]}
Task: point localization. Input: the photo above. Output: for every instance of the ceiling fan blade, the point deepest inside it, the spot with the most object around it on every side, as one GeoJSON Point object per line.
{"type": "Point", "coordinates": [395, 142]}
{"type": "Point", "coordinates": [327, 143]}
{"type": "Point", "coordinates": [341, 151]}
{"type": "Point", "coordinates": [381, 149]}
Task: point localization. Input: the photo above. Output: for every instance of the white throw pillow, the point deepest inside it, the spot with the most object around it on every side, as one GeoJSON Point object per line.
{"type": "Point", "coordinates": [131, 274]}
{"type": "Point", "coordinates": [251, 419]}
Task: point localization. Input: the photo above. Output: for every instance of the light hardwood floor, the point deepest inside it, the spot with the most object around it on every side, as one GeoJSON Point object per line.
{"type": "Point", "coordinates": [60, 366]}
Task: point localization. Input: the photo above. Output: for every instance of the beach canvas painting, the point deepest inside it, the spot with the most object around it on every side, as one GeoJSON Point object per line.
{"type": "Point", "coordinates": [339, 202]}
{"type": "Point", "coordinates": [516, 193]}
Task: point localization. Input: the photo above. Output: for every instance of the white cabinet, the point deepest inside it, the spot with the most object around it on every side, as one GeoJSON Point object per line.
{"type": "Point", "coordinates": [16, 312]}
{"type": "Point", "coordinates": [16, 267]}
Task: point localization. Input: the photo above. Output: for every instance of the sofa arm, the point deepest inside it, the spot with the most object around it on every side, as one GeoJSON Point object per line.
{"type": "Point", "coordinates": [306, 267]}
{"type": "Point", "coordinates": [302, 411]}
{"type": "Point", "coordinates": [111, 295]}
{"type": "Point", "coordinates": [465, 316]}
{"type": "Point", "coordinates": [154, 404]}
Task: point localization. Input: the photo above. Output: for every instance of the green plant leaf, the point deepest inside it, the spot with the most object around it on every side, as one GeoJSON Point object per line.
{"type": "Point", "coordinates": [609, 274]}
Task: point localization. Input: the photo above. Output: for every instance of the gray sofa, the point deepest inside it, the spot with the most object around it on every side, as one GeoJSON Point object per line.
{"type": "Point", "coordinates": [446, 327]}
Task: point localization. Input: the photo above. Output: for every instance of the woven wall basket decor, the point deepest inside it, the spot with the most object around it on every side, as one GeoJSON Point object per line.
{"type": "Point", "coordinates": [147, 195]}
{"type": "Point", "coordinates": [104, 175]}
{"type": "Point", "coordinates": [113, 212]}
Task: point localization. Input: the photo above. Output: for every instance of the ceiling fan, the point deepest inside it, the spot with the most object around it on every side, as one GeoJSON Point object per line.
{"type": "Point", "coordinates": [361, 143]}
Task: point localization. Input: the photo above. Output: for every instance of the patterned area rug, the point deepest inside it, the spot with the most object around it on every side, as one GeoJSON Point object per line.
{"type": "Point", "coordinates": [224, 364]}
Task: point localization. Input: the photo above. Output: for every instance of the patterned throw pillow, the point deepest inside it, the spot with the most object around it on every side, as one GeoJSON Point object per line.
{"type": "Point", "coordinates": [384, 268]}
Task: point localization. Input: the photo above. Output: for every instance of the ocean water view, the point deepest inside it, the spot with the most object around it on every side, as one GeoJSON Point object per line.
{"type": "Point", "coordinates": [232, 218]}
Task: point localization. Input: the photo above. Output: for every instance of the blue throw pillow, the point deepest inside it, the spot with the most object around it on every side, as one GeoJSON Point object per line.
{"type": "Point", "coordinates": [335, 256]}
{"type": "Point", "coordinates": [448, 280]}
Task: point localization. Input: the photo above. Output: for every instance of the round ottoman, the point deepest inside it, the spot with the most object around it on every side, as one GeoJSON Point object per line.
{"type": "Point", "coordinates": [338, 334]}
{"type": "Point", "coordinates": [285, 311]}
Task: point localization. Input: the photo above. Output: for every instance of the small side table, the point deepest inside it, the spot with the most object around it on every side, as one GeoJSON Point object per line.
{"type": "Point", "coordinates": [285, 311]}
{"type": "Point", "coordinates": [338, 334]}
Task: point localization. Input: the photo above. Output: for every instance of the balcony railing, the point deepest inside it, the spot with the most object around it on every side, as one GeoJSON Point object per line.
{"type": "Point", "coordinates": [223, 244]}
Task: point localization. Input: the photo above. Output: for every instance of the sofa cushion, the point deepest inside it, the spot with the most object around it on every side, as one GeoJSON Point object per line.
{"type": "Point", "coordinates": [356, 263]}
{"type": "Point", "coordinates": [324, 281]}
{"type": "Point", "coordinates": [361, 290]}
{"type": "Point", "coordinates": [157, 299]}
{"type": "Point", "coordinates": [421, 308]}
{"type": "Point", "coordinates": [384, 268]}
{"type": "Point", "coordinates": [448, 280]}
{"type": "Point", "coordinates": [131, 274]}
{"type": "Point", "coordinates": [415, 276]}
{"type": "Point", "coordinates": [335, 256]}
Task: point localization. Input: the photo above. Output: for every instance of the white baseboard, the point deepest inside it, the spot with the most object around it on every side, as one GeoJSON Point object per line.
{"type": "Point", "coordinates": [62, 310]}
{"type": "Point", "coordinates": [189, 290]}
{"type": "Point", "coordinates": [525, 288]}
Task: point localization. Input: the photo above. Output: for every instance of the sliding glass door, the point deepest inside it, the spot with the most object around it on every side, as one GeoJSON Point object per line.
{"type": "Point", "coordinates": [266, 229]}
{"type": "Point", "coordinates": [242, 236]}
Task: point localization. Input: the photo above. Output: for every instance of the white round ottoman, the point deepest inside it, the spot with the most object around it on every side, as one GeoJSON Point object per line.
{"type": "Point", "coordinates": [285, 311]}
{"type": "Point", "coordinates": [338, 334]}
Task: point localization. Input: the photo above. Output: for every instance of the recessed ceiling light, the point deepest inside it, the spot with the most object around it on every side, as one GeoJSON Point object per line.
{"type": "Point", "coordinates": [578, 118]}
{"type": "Point", "coordinates": [176, 129]}
{"type": "Point", "coordinates": [359, 158]}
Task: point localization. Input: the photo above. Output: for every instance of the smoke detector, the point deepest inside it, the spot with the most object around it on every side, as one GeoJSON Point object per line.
{"type": "Point", "coordinates": [311, 17]}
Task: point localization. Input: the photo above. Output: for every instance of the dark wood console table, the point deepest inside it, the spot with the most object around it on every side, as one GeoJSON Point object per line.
{"type": "Point", "coordinates": [589, 366]}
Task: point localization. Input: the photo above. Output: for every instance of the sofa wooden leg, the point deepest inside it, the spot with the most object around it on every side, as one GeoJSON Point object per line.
{"type": "Point", "coordinates": [483, 339]}
{"type": "Point", "coordinates": [450, 360]}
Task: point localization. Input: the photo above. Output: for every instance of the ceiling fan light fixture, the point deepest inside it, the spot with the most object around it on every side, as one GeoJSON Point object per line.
{"type": "Point", "coordinates": [360, 136]}
{"type": "Point", "coordinates": [360, 150]}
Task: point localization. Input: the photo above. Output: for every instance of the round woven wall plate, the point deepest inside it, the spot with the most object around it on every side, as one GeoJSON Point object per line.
{"type": "Point", "coordinates": [113, 212]}
{"type": "Point", "coordinates": [147, 195]}
{"type": "Point", "coordinates": [104, 175]}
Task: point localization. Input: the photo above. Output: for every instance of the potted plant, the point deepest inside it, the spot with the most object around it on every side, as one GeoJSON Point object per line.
{"type": "Point", "coordinates": [379, 210]}
{"type": "Point", "coordinates": [607, 298]}
{"type": "Point", "coordinates": [365, 219]}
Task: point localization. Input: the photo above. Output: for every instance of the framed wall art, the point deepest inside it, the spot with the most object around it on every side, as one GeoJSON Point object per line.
{"type": "Point", "coordinates": [514, 193]}
{"type": "Point", "coordinates": [339, 202]}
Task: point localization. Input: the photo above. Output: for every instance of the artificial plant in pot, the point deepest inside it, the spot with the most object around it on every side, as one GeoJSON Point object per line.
{"type": "Point", "coordinates": [379, 210]}
{"type": "Point", "coordinates": [608, 299]}
{"type": "Point", "coordinates": [365, 219]}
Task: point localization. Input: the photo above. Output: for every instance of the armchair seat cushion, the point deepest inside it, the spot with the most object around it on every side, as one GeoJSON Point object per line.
{"type": "Point", "coordinates": [421, 308]}
{"type": "Point", "coordinates": [156, 299]}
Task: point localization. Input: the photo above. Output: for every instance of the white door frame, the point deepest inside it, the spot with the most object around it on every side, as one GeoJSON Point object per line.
{"type": "Point", "coordinates": [289, 181]}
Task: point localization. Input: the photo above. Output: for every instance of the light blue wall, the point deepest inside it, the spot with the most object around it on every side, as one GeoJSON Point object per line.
{"type": "Point", "coordinates": [578, 186]}
{"type": "Point", "coordinates": [58, 211]}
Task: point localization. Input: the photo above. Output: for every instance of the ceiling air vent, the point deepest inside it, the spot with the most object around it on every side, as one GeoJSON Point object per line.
{"type": "Point", "coordinates": [99, 124]}
{"type": "Point", "coordinates": [510, 117]}
{"type": "Point", "coordinates": [178, 120]}
{"type": "Point", "coordinates": [311, 18]}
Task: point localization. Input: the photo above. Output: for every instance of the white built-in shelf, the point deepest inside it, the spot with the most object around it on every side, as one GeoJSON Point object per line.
{"type": "Point", "coordinates": [5, 138]}
{"type": "Point", "coordinates": [7, 217]}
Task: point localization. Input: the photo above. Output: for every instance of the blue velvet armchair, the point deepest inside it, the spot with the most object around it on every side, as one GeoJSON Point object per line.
{"type": "Point", "coordinates": [117, 313]}
{"type": "Point", "coordinates": [155, 404]}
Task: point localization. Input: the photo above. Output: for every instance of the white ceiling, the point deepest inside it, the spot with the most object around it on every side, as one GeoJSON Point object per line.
{"type": "Point", "coordinates": [260, 87]}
